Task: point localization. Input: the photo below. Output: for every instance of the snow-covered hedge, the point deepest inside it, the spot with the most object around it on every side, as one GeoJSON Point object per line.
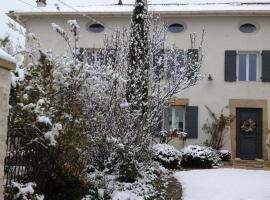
{"type": "Point", "coordinates": [224, 155]}
{"type": "Point", "coordinates": [197, 156]}
{"type": "Point", "coordinates": [167, 155]}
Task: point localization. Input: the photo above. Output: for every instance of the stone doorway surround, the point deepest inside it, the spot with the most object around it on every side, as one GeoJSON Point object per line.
{"type": "Point", "coordinates": [6, 65]}
{"type": "Point", "coordinates": [248, 103]}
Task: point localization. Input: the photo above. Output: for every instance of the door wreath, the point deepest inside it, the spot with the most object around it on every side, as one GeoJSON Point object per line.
{"type": "Point", "coordinates": [248, 125]}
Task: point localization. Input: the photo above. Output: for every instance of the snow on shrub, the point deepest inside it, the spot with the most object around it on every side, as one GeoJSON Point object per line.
{"type": "Point", "coordinates": [125, 195]}
{"type": "Point", "coordinates": [197, 156]}
{"type": "Point", "coordinates": [224, 155]}
{"type": "Point", "coordinates": [24, 191]}
{"type": "Point", "coordinates": [167, 155]}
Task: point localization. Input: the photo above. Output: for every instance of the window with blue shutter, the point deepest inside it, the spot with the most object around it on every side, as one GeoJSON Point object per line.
{"type": "Point", "coordinates": [192, 121]}
{"type": "Point", "coordinates": [230, 65]}
{"type": "Point", "coordinates": [182, 118]}
{"type": "Point", "coordinates": [265, 66]}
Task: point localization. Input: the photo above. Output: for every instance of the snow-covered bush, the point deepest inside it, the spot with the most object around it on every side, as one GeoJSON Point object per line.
{"type": "Point", "coordinates": [167, 155]}
{"type": "Point", "coordinates": [150, 184]}
{"type": "Point", "coordinates": [20, 191]}
{"type": "Point", "coordinates": [48, 109]}
{"type": "Point", "coordinates": [224, 155]}
{"type": "Point", "coordinates": [197, 156]}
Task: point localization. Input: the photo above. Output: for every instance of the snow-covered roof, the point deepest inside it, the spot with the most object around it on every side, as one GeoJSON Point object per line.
{"type": "Point", "coordinates": [5, 56]}
{"type": "Point", "coordinates": [160, 6]}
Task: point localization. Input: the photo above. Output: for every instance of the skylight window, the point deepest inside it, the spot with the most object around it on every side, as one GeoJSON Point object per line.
{"type": "Point", "coordinates": [248, 28]}
{"type": "Point", "coordinates": [176, 28]}
{"type": "Point", "coordinates": [96, 28]}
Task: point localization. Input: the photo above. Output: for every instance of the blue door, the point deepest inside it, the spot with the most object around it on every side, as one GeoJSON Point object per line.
{"type": "Point", "coordinates": [249, 133]}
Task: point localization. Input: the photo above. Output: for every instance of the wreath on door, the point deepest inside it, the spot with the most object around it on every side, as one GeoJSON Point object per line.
{"type": "Point", "coordinates": [248, 125]}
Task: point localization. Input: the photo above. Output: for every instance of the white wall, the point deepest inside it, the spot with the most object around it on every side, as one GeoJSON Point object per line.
{"type": "Point", "coordinates": [221, 34]}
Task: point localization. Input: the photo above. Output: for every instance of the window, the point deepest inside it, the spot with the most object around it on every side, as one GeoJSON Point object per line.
{"type": "Point", "coordinates": [175, 63]}
{"type": "Point", "coordinates": [176, 28]}
{"type": "Point", "coordinates": [248, 66]}
{"type": "Point", "coordinates": [248, 28]}
{"type": "Point", "coordinates": [174, 118]}
{"type": "Point", "coordinates": [96, 28]}
{"type": "Point", "coordinates": [91, 56]}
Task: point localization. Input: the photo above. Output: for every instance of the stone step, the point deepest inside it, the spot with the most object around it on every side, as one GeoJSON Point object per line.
{"type": "Point", "coordinates": [250, 164]}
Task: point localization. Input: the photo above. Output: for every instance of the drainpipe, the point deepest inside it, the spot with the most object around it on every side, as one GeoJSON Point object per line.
{"type": "Point", "coordinates": [120, 2]}
{"type": "Point", "coordinates": [41, 3]}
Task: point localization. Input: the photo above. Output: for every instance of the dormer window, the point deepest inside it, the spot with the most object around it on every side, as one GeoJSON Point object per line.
{"type": "Point", "coordinates": [96, 28]}
{"type": "Point", "coordinates": [248, 28]}
{"type": "Point", "coordinates": [176, 28]}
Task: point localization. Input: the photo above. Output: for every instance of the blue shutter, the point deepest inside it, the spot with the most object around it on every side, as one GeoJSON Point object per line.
{"type": "Point", "coordinates": [192, 121]}
{"type": "Point", "coordinates": [193, 55]}
{"type": "Point", "coordinates": [230, 66]}
{"type": "Point", "coordinates": [192, 59]}
{"type": "Point", "coordinates": [266, 66]}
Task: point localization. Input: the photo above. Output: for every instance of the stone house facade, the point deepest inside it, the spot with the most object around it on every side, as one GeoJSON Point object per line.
{"type": "Point", "coordinates": [236, 63]}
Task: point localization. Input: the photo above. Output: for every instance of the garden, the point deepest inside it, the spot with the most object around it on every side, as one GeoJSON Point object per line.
{"type": "Point", "coordinates": [82, 129]}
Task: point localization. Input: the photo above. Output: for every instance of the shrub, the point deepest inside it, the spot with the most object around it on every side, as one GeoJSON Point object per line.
{"type": "Point", "coordinates": [216, 129]}
{"type": "Point", "coordinates": [167, 155]}
{"type": "Point", "coordinates": [197, 156]}
{"type": "Point", "coordinates": [224, 155]}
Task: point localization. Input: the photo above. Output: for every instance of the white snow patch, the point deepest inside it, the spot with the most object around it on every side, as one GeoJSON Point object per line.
{"type": "Point", "coordinates": [53, 134]}
{"type": "Point", "coordinates": [5, 56]}
{"type": "Point", "coordinates": [44, 119]}
{"type": "Point", "coordinates": [225, 184]}
{"type": "Point", "coordinates": [125, 195]}
{"type": "Point", "coordinates": [24, 189]}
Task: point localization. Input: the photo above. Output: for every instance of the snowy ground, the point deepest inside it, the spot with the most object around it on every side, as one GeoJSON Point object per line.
{"type": "Point", "coordinates": [225, 184]}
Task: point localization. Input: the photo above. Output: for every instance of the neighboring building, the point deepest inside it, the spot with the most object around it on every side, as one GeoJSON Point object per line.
{"type": "Point", "coordinates": [236, 62]}
{"type": "Point", "coordinates": [7, 63]}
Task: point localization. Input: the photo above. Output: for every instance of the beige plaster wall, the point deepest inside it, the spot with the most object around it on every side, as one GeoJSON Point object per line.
{"type": "Point", "coordinates": [221, 34]}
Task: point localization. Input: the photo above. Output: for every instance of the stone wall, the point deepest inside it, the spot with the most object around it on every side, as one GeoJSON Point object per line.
{"type": "Point", "coordinates": [4, 109]}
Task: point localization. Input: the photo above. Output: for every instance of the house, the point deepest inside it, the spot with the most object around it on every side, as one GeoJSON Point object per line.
{"type": "Point", "coordinates": [236, 61]}
{"type": "Point", "coordinates": [7, 63]}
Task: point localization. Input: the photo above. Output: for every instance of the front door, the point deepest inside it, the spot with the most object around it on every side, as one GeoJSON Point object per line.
{"type": "Point", "coordinates": [248, 133]}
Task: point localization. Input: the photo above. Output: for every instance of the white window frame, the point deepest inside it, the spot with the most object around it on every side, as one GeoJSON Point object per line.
{"type": "Point", "coordinates": [258, 65]}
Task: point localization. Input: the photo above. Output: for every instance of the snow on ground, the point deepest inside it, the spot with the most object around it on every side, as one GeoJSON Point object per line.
{"type": "Point", "coordinates": [225, 184]}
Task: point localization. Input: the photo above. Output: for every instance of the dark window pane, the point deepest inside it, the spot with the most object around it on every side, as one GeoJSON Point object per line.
{"type": "Point", "coordinates": [90, 57]}
{"type": "Point", "coordinates": [176, 28]}
{"type": "Point", "coordinates": [252, 67]}
{"type": "Point", "coordinates": [96, 28]}
{"type": "Point", "coordinates": [247, 28]}
{"type": "Point", "coordinates": [179, 61]}
{"type": "Point", "coordinates": [80, 52]}
{"type": "Point", "coordinates": [242, 67]}
{"type": "Point", "coordinates": [168, 119]}
{"type": "Point", "coordinates": [179, 118]}
{"type": "Point", "coordinates": [159, 63]}
{"type": "Point", "coordinates": [170, 67]}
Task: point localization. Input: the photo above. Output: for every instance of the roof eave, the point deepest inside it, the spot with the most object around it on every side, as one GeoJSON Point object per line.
{"type": "Point", "coordinates": [17, 15]}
